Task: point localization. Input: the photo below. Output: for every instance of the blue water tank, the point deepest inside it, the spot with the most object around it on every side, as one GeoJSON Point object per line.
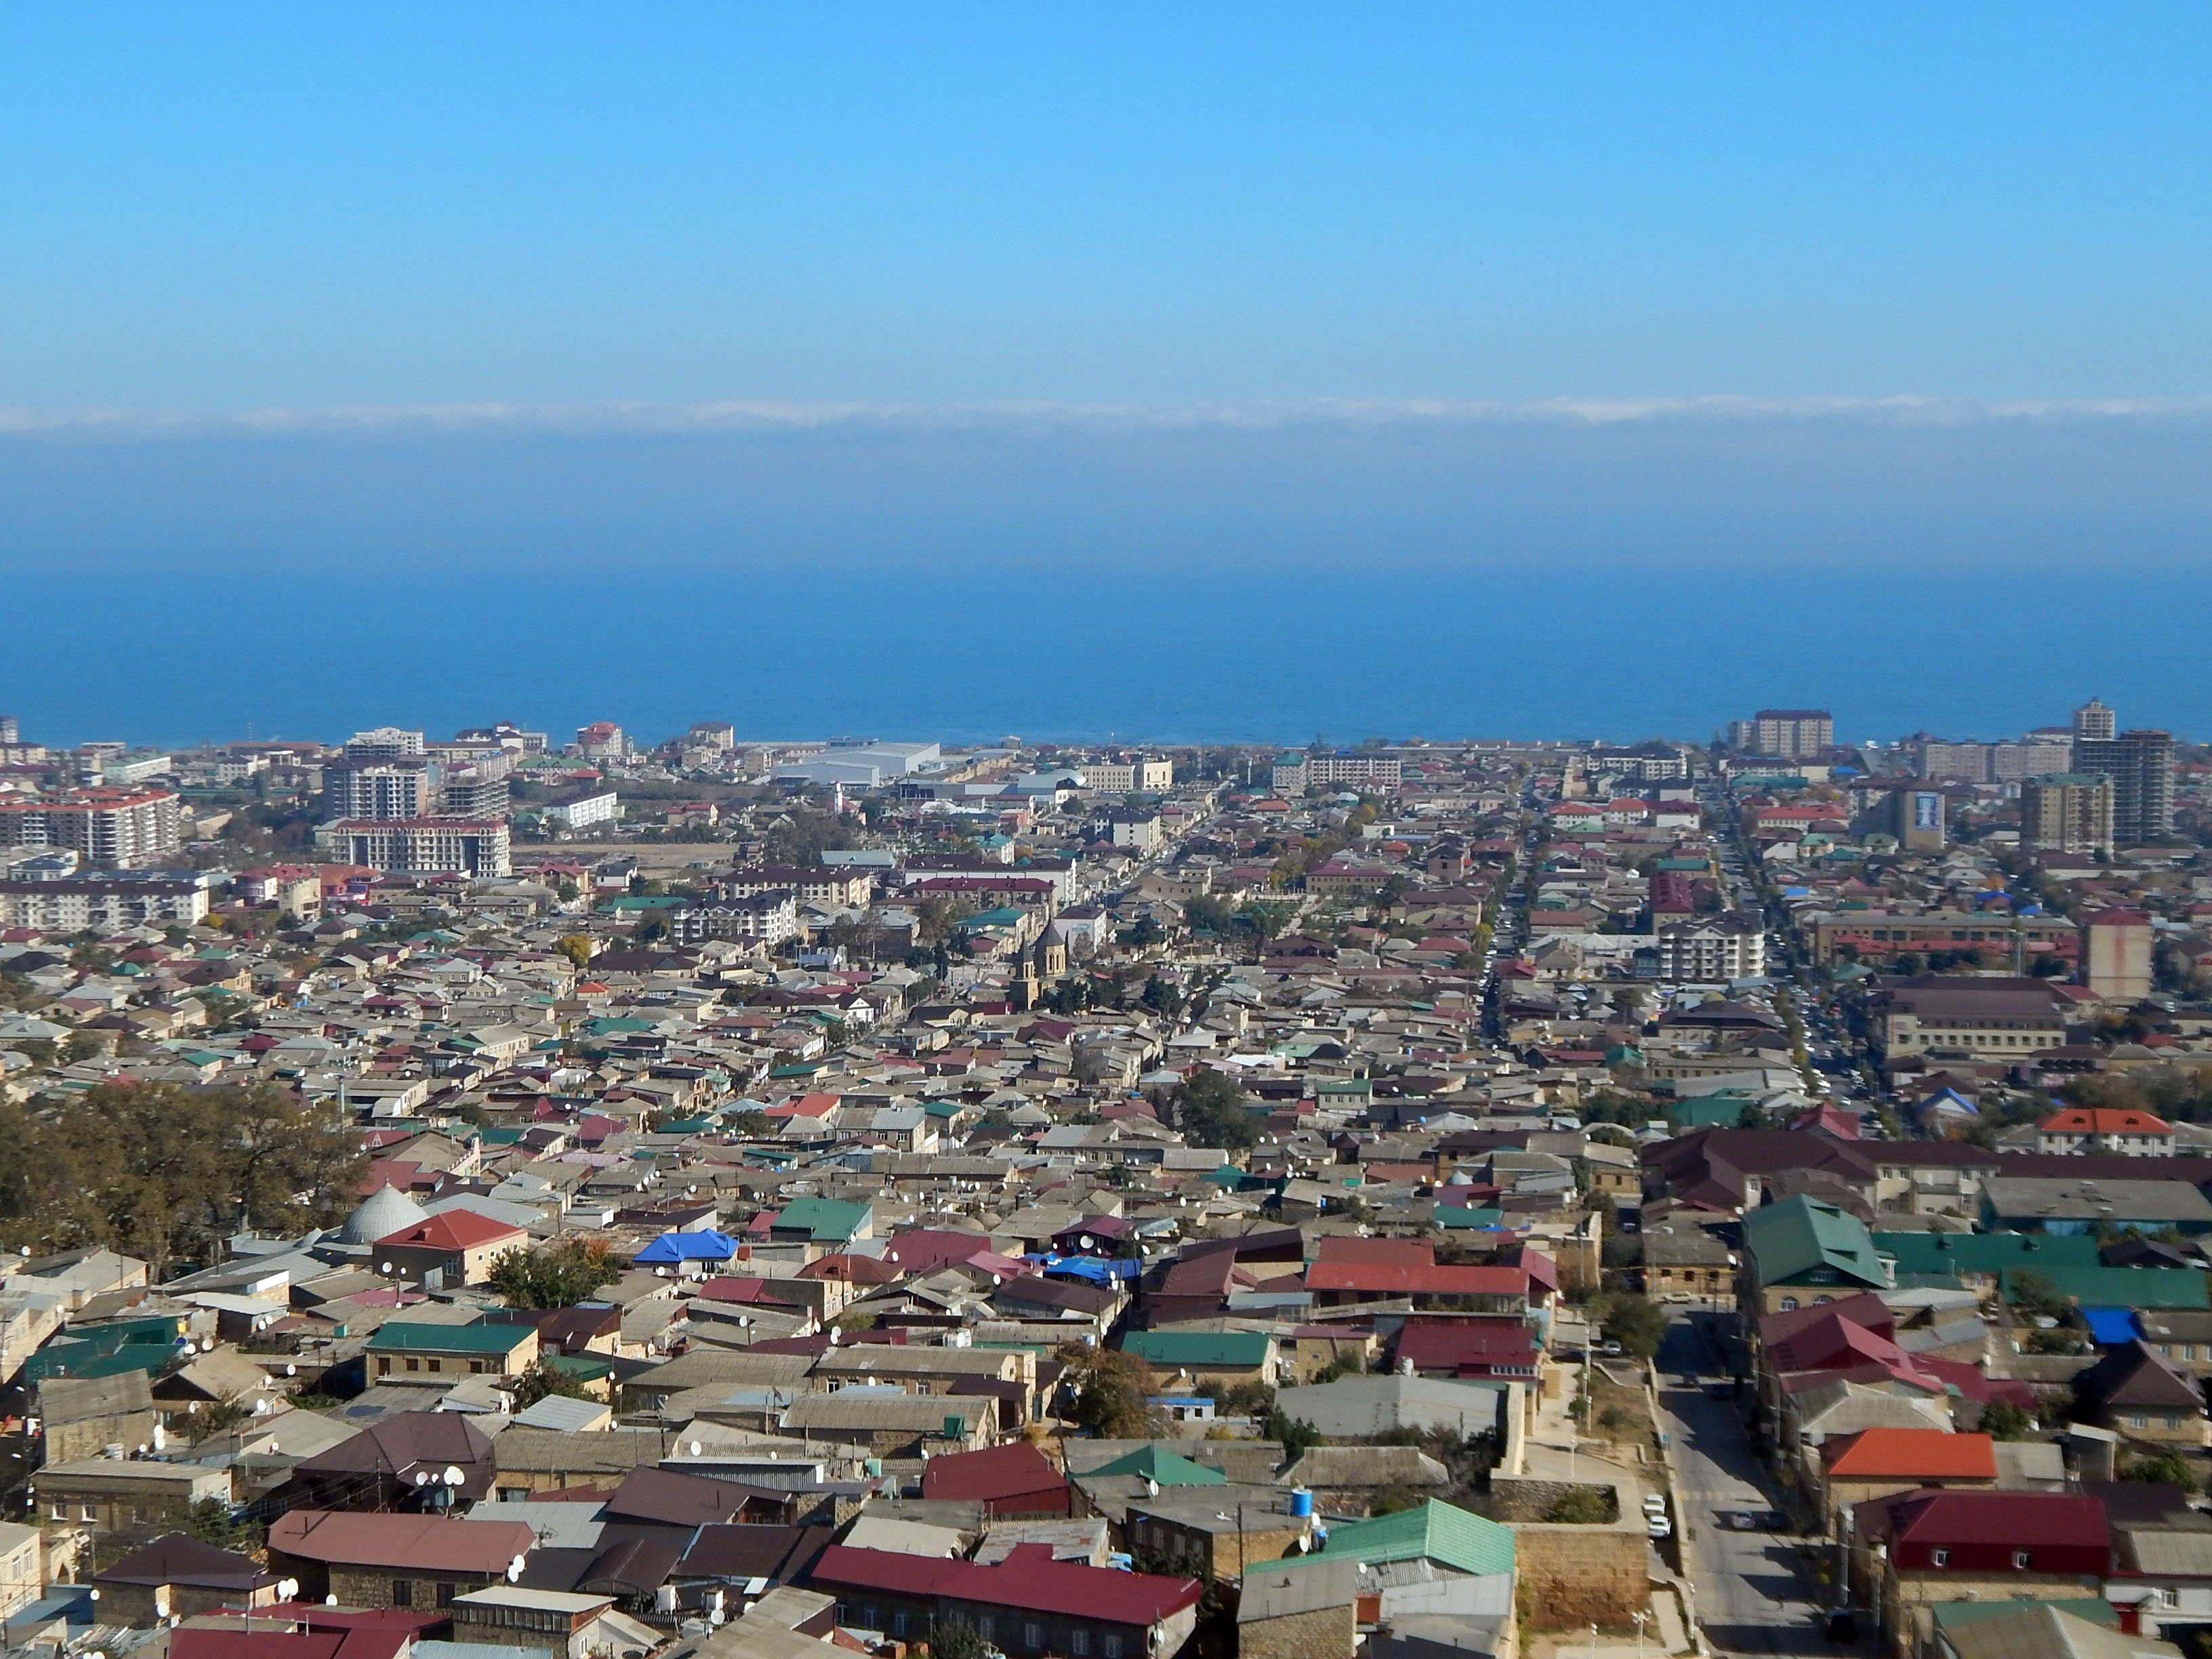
{"type": "Point", "coordinates": [1301, 1502]}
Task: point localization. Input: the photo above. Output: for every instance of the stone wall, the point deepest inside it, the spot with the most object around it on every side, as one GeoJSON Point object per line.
{"type": "Point", "coordinates": [1323, 1633]}
{"type": "Point", "coordinates": [1573, 1576]}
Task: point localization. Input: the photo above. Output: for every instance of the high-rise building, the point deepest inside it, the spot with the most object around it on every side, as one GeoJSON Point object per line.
{"type": "Point", "coordinates": [383, 743]}
{"type": "Point", "coordinates": [2066, 812]}
{"type": "Point", "coordinates": [1784, 734]}
{"type": "Point", "coordinates": [108, 829]}
{"type": "Point", "coordinates": [2140, 763]}
{"type": "Point", "coordinates": [465, 846]}
{"type": "Point", "coordinates": [2116, 955]}
{"type": "Point", "coordinates": [398, 788]}
{"type": "Point", "coordinates": [9, 732]}
{"type": "Point", "coordinates": [2093, 720]}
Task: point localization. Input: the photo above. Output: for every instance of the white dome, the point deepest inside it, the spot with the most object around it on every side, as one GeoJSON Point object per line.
{"type": "Point", "coordinates": [382, 1213]}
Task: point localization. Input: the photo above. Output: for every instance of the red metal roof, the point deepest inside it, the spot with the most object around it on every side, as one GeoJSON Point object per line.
{"type": "Point", "coordinates": [1383, 1279]}
{"type": "Point", "coordinates": [455, 1230]}
{"type": "Point", "coordinates": [1008, 1471]}
{"type": "Point", "coordinates": [427, 1541]}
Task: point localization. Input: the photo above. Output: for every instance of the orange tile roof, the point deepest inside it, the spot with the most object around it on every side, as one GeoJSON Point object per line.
{"type": "Point", "coordinates": [1912, 1455]}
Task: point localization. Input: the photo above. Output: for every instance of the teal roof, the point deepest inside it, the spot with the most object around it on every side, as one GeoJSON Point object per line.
{"type": "Point", "coordinates": [1986, 1253]}
{"type": "Point", "coordinates": [1460, 1215]}
{"type": "Point", "coordinates": [127, 1345]}
{"type": "Point", "coordinates": [401, 1335]}
{"type": "Point", "coordinates": [1224, 1349]}
{"type": "Point", "coordinates": [1949, 1615]}
{"type": "Point", "coordinates": [1169, 1468]}
{"type": "Point", "coordinates": [825, 1220]}
{"type": "Point", "coordinates": [1434, 1532]}
{"type": "Point", "coordinates": [1800, 1241]}
{"type": "Point", "coordinates": [2118, 1287]}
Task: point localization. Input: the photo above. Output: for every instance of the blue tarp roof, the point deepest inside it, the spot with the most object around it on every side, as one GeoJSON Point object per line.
{"type": "Point", "coordinates": [705, 1245]}
{"type": "Point", "coordinates": [1098, 1270]}
{"type": "Point", "coordinates": [2110, 1327]}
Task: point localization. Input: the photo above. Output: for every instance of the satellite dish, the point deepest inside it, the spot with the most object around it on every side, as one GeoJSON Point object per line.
{"type": "Point", "coordinates": [515, 1571]}
{"type": "Point", "coordinates": [421, 1477]}
{"type": "Point", "coordinates": [696, 1448]}
{"type": "Point", "coordinates": [289, 1587]}
{"type": "Point", "coordinates": [452, 1475]}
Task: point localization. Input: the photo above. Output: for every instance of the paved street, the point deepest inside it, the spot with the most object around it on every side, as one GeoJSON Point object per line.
{"type": "Point", "coordinates": [1752, 1595]}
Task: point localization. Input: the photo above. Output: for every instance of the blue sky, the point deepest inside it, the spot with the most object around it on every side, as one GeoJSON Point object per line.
{"type": "Point", "coordinates": [1288, 248]}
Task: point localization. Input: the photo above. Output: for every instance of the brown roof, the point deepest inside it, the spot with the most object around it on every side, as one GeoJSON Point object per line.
{"type": "Point", "coordinates": [429, 1543]}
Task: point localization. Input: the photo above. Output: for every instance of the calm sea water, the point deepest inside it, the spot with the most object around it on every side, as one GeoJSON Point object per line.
{"type": "Point", "coordinates": [1280, 656]}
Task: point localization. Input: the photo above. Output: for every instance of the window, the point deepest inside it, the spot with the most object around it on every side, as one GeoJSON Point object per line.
{"type": "Point", "coordinates": [2139, 1421]}
{"type": "Point", "coordinates": [1790, 1305]}
{"type": "Point", "coordinates": [1110, 1645]}
{"type": "Point", "coordinates": [2172, 1421]}
{"type": "Point", "coordinates": [1078, 1642]}
{"type": "Point", "coordinates": [1032, 1636]}
{"type": "Point", "coordinates": [983, 1627]}
{"type": "Point", "coordinates": [445, 1594]}
{"type": "Point", "coordinates": [2020, 1560]}
{"type": "Point", "coordinates": [898, 1623]}
{"type": "Point", "coordinates": [413, 1363]}
{"type": "Point", "coordinates": [85, 1512]}
{"type": "Point", "coordinates": [403, 1592]}
{"type": "Point", "coordinates": [1940, 1557]}
{"type": "Point", "coordinates": [516, 1494]}
{"type": "Point", "coordinates": [437, 1364]}
{"type": "Point", "coordinates": [56, 1512]}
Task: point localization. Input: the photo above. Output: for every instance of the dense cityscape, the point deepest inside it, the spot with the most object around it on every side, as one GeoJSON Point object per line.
{"type": "Point", "coordinates": [528, 1193]}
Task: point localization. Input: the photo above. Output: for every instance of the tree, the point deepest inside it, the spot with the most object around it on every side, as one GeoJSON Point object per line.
{"type": "Point", "coordinates": [2169, 1468]}
{"type": "Point", "coordinates": [1635, 1322]}
{"type": "Point", "coordinates": [577, 947]}
{"type": "Point", "coordinates": [1113, 1392]}
{"type": "Point", "coordinates": [752, 1123]}
{"type": "Point", "coordinates": [556, 1275]}
{"type": "Point", "coordinates": [2003, 1420]}
{"type": "Point", "coordinates": [1210, 1108]}
{"type": "Point", "coordinates": [956, 1638]}
{"type": "Point", "coordinates": [1582, 1506]}
{"type": "Point", "coordinates": [1294, 1434]}
{"type": "Point", "coordinates": [542, 1380]}
{"type": "Point", "coordinates": [166, 1172]}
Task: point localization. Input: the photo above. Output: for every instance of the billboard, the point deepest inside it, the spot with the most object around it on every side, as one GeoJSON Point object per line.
{"type": "Point", "coordinates": [1927, 810]}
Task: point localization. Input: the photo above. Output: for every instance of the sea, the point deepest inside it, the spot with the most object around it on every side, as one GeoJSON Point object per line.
{"type": "Point", "coordinates": [1098, 653]}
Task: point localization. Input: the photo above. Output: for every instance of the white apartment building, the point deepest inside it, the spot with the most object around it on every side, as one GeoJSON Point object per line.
{"type": "Point", "coordinates": [1293, 774]}
{"type": "Point", "coordinates": [395, 787]}
{"type": "Point", "coordinates": [113, 829]}
{"type": "Point", "coordinates": [1127, 777]}
{"type": "Point", "coordinates": [462, 846]}
{"type": "Point", "coordinates": [69, 904]}
{"type": "Point", "coordinates": [770, 918]}
{"type": "Point", "coordinates": [1712, 950]}
{"type": "Point", "coordinates": [383, 743]}
{"type": "Point", "coordinates": [604, 807]}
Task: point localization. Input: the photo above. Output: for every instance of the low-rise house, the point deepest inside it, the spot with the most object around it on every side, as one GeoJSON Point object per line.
{"type": "Point", "coordinates": [1912, 1550]}
{"type": "Point", "coordinates": [1224, 1356]}
{"type": "Point", "coordinates": [106, 1494]}
{"type": "Point", "coordinates": [81, 1416]}
{"type": "Point", "coordinates": [1027, 1605]}
{"type": "Point", "coordinates": [455, 1248]}
{"type": "Point", "coordinates": [2138, 1391]}
{"type": "Point", "coordinates": [179, 1576]}
{"type": "Point", "coordinates": [421, 1562]}
{"type": "Point", "coordinates": [1009, 1480]}
{"type": "Point", "coordinates": [1851, 1469]}
{"type": "Point", "coordinates": [409, 1352]}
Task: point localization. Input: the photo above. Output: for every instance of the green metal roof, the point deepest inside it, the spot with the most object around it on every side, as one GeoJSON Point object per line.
{"type": "Point", "coordinates": [1800, 1241]}
{"type": "Point", "coordinates": [1460, 1215]}
{"type": "Point", "coordinates": [826, 1220]}
{"type": "Point", "coordinates": [2117, 1287]}
{"type": "Point", "coordinates": [1986, 1253]}
{"type": "Point", "coordinates": [1949, 1615]}
{"type": "Point", "coordinates": [1225, 1349]}
{"type": "Point", "coordinates": [1436, 1532]}
{"type": "Point", "coordinates": [402, 1335]}
{"type": "Point", "coordinates": [1169, 1468]}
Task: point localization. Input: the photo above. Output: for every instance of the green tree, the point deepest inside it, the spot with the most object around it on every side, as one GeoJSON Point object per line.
{"type": "Point", "coordinates": [956, 1638]}
{"type": "Point", "coordinates": [2003, 1420]}
{"type": "Point", "coordinates": [753, 1122]}
{"type": "Point", "coordinates": [1634, 1321]}
{"type": "Point", "coordinates": [577, 947]}
{"type": "Point", "coordinates": [1294, 1434]}
{"type": "Point", "coordinates": [555, 1275]}
{"type": "Point", "coordinates": [166, 1172]}
{"type": "Point", "coordinates": [1583, 1506]}
{"type": "Point", "coordinates": [543, 1379]}
{"type": "Point", "coordinates": [2167, 1466]}
{"type": "Point", "coordinates": [1209, 1109]}
{"type": "Point", "coordinates": [1112, 1391]}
